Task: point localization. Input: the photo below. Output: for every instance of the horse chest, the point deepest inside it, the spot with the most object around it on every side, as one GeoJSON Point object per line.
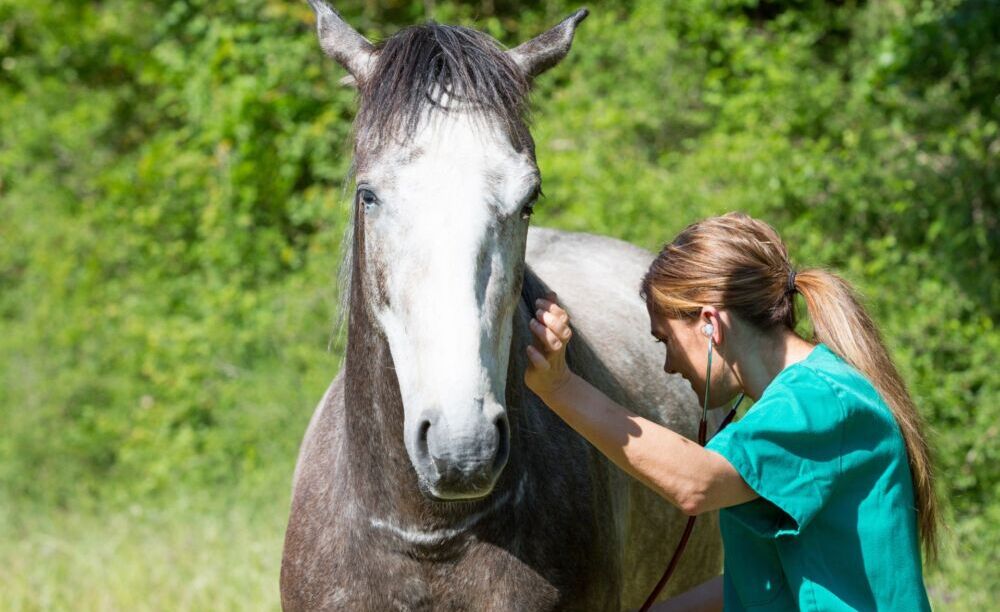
{"type": "Point", "coordinates": [350, 562]}
{"type": "Point", "coordinates": [480, 576]}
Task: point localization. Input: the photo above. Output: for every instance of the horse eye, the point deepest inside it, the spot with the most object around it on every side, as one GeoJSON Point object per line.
{"type": "Point", "coordinates": [528, 208]}
{"type": "Point", "coordinates": [368, 198]}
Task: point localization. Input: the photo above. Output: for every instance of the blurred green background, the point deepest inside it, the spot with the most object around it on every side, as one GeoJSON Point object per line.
{"type": "Point", "coordinates": [172, 203]}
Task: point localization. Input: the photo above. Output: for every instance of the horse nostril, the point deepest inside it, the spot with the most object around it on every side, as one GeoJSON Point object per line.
{"type": "Point", "coordinates": [503, 443]}
{"type": "Point", "coordinates": [426, 453]}
{"type": "Point", "coordinates": [422, 430]}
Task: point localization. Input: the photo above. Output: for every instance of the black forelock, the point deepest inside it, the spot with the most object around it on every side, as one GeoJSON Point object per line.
{"type": "Point", "coordinates": [418, 64]}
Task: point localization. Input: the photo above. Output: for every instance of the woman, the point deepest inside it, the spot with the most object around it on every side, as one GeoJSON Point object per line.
{"type": "Point", "coordinates": [825, 484]}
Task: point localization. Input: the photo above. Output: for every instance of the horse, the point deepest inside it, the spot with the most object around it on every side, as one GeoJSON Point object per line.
{"type": "Point", "coordinates": [430, 477]}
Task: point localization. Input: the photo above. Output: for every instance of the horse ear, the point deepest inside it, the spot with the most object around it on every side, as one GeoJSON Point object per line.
{"type": "Point", "coordinates": [342, 42]}
{"type": "Point", "coordinates": [546, 50]}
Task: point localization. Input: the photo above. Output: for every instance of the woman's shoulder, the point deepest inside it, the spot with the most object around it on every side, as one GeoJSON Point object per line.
{"type": "Point", "coordinates": [812, 379]}
{"type": "Point", "coordinates": [824, 376]}
{"type": "Point", "coordinates": [813, 408]}
{"type": "Point", "coordinates": [797, 400]}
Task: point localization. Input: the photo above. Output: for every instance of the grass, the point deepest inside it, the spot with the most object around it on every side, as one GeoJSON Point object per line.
{"type": "Point", "coordinates": [225, 554]}
{"type": "Point", "coordinates": [178, 556]}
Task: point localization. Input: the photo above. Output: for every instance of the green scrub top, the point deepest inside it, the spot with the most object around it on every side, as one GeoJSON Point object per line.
{"type": "Point", "coordinates": [835, 526]}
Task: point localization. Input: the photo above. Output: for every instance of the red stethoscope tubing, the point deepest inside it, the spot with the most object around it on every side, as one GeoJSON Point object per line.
{"type": "Point", "coordinates": [702, 430]}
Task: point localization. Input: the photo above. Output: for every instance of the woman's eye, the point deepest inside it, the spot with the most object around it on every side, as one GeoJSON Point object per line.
{"type": "Point", "coordinates": [367, 198]}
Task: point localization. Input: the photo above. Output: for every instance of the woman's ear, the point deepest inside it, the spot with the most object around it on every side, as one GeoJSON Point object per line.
{"type": "Point", "coordinates": [710, 324]}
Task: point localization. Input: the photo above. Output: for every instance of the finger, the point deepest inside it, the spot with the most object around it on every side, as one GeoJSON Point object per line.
{"type": "Point", "coordinates": [546, 302]}
{"type": "Point", "coordinates": [550, 341]}
{"type": "Point", "coordinates": [547, 340]}
{"type": "Point", "coordinates": [537, 359]}
{"type": "Point", "coordinates": [554, 308]}
{"type": "Point", "coordinates": [556, 325]}
{"type": "Point", "coordinates": [558, 322]}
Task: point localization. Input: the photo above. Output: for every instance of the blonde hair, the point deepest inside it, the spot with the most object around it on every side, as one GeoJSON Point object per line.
{"type": "Point", "coordinates": [740, 264]}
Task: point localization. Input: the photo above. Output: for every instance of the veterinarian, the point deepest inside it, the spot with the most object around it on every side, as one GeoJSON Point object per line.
{"type": "Point", "coordinates": [825, 485]}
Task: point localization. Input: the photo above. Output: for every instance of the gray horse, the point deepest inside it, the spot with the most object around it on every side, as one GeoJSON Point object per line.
{"type": "Point", "coordinates": [430, 478]}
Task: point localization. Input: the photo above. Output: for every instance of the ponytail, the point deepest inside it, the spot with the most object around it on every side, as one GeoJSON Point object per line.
{"type": "Point", "coordinates": [840, 322]}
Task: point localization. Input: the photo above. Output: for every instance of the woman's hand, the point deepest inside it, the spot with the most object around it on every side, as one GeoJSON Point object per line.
{"type": "Point", "coordinates": [547, 371]}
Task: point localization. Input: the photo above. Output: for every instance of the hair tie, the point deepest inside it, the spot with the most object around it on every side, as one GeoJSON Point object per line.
{"type": "Point", "coordinates": [791, 282]}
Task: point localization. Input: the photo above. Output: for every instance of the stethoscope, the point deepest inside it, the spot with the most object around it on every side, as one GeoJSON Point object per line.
{"type": "Point", "coordinates": [707, 330]}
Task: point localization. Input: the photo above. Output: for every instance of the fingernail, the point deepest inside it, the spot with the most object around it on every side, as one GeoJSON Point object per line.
{"type": "Point", "coordinates": [557, 344]}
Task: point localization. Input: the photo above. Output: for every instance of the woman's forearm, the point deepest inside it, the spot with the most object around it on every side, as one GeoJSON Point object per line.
{"type": "Point", "coordinates": [690, 477]}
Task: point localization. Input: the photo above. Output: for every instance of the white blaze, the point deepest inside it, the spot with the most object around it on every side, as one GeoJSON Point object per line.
{"type": "Point", "coordinates": [449, 237]}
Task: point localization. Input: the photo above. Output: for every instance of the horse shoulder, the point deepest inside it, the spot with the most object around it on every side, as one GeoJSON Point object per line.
{"type": "Point", "coordinates": [315, 522]}
{"type": "Point", "coordinates": [321, 429]}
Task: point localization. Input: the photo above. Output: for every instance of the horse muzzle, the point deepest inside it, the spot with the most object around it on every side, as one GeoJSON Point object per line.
{"type": "Point", "coordinates": [459, 455]}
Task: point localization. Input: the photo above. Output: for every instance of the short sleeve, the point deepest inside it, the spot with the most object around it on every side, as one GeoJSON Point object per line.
{"type": "Point", "coordinates": [787, 448]}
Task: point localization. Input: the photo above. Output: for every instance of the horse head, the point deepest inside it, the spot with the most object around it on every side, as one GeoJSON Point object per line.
{"type": "Point", "coordinates": [446, 179]}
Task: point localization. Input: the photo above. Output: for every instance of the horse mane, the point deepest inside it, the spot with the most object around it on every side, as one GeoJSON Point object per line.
{"type": "Point", "coordinates": [444, 67]}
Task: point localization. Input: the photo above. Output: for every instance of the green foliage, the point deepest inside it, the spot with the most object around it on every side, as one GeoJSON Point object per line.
{"type": "Point", "coordinates": [166, 187]}
{"type": "Point", "coordinates": [171, 182]}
